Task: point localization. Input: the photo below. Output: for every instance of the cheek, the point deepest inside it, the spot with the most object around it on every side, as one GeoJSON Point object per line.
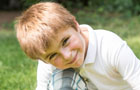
{"type": "Point", "coordinates": [58, 62]}
{"type": "Point", "coordinates": [77, 43]}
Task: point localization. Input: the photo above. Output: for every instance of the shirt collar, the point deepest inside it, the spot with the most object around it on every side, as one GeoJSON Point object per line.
{"type": "Point", "coordinates": [91, 51]}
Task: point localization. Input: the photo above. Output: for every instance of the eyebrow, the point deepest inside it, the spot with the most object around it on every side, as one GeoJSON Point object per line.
{"type": "Point", "coordinates": [58, 45]}
{"type": "Point", "coordinates": [63, 39]}
{"type": "Point", "coordinates": [47, 56]}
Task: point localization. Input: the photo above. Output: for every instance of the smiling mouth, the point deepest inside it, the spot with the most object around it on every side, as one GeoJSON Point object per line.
{"type": "Point", "coordinates": [74, 59]}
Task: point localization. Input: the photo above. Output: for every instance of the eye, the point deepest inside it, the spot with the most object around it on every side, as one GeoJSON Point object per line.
{"type": "Point", "coordinates": [65, 41]}
{"type": "Point", "coordinates": [52, 56]}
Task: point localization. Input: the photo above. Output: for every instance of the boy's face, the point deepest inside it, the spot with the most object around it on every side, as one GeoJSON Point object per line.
{"type": "Point", "coordinates": [67, 50]}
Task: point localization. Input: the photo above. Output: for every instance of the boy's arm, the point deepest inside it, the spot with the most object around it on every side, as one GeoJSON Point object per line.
{"type": "Point", "coordinates": [123, 60]}
{"type": "Point", "coordinates": [128, 66]}
{"type": "Point", "coordinates": [44, 72]}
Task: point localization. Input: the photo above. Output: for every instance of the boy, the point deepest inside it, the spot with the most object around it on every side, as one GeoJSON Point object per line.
{"type": "Point", "coordinates": [48, 32]}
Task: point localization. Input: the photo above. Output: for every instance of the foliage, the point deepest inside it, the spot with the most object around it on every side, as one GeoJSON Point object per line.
{"type": "Point", "coordinates": [129, 7]}
{"type": "Point", "coordinates": [27, 3]}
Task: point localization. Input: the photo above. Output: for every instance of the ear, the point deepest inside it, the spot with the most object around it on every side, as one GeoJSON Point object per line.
{"type": "Point", "coordinates": [77, 25]}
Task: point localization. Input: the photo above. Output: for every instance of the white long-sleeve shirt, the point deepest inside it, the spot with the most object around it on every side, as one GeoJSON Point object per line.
{"type": "Point", "coordinates": [109, 65]}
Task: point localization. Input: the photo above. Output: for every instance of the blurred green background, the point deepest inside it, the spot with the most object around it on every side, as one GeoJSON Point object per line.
{"type": "Point", "coordinates": [18, 72]}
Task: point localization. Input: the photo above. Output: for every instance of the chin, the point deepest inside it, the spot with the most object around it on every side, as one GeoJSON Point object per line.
{"type": "Point", "coordinates": [78, 64]}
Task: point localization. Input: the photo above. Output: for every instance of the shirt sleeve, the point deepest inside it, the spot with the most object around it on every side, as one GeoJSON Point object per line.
{"type": "Point", "coordinates": [128, 66]}
{"type": "Point", "coordinates": [123, 60]}
{"type": "Point", "coordinates": [44, 72]}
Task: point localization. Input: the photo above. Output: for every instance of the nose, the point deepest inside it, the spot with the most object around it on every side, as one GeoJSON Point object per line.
{"type": "Point", "coordinates": [66, 53]}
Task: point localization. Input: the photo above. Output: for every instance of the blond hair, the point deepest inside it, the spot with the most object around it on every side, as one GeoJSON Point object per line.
{"type": "Point", "coordinates": [38, 25]}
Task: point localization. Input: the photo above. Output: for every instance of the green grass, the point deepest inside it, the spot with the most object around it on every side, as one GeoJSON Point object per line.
{"type": "Point", "coordinates": [17, 72]}
{"type": "Point", "coordinates": [134, 43]}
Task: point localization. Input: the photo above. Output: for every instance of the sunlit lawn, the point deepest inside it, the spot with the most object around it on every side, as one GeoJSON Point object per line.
{"type": "Point", "coordinates": [17, 72]}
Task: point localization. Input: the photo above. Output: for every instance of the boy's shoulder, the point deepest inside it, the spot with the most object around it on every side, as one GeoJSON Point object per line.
{"type": "Point", "coordinates": [100, 32]}
{"type": "Point", "coordinates": [107, 35]}
{"type": "Point", "coordinates": [108, 41]}
{"type": "Point", "coordinates": [103, 37]}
